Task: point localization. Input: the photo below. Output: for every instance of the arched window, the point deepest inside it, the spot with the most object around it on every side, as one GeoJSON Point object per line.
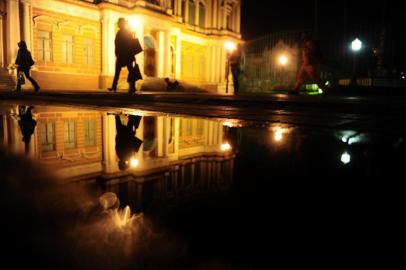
{"type": "Point", "coordinates": [192, 12]}
{"type": "Point", "coordinates": [150, 57]}
{"type": "Point", "coordinates": [202, 14]}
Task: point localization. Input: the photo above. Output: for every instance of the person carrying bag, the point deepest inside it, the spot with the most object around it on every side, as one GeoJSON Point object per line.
{"type": "Point", "coordinates": [24, 62]}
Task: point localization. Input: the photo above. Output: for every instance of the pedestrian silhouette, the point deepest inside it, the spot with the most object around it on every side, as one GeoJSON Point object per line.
{"type": "Point", "coordinates": [311, 55]}
{"type": "Point", "coordinates": [25, 62]}
{"type": "Point", "coordinates": [235, 62]}
{"type": "Point", "coordinates": [27, 124]}
{"type": "Point", "coordinates": [171, 86]}
{"type": "Point", "coordinates": [126, 47]}
{"type": "Point", "coordinates": [126, 142]}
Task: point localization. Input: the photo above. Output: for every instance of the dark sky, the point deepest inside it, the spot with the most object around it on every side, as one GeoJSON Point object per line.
{"type": "Point", "coordinates": [260, 17]}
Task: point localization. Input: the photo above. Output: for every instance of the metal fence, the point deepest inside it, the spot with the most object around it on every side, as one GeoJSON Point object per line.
{"type": "Point", "coordinates": [383, 55]}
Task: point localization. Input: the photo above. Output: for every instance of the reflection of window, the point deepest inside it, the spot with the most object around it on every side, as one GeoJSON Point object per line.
{"type": "Point", "coordinates": [90, 132]}
{"type": "Point", "coordinates": [171, 130]}
{"type": "Point", "coordinates": [88, 51]}
{"type": "Point", "coordinates": [69, 134]}
{"type": "Point", "coordinates": [44, 46]}
{"type": "Point", "coordinates": [48, 136]}
{"type": "Point", "coordinates": [192, 12]}
{"type": "Point", "coordinates": [189, 127]}
{"type": "Point", "coordinates": [67, 49]}
{"type": "Point", "coordinates": [201, 69]}
{"type": "Point", "coordinates": [200, 127]}
{"type": "Point", "coordinates": [202, 15]}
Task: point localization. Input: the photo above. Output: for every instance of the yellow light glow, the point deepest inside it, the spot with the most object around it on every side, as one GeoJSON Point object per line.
{"type": "Point", "coordinates": [230, 46]}
{"type": "Point", "coordinates": [283, 60]}
{"type": "Point", "coordinates": [134, 24]}
{"type": "Point", "coordinates": [228, 124]}
{"type": "Point", "coordinates": [225, 147]}
{"type": "Point", "coordinates": [134, 163]}
{"type": "Point", "coordinates": [278, 136]}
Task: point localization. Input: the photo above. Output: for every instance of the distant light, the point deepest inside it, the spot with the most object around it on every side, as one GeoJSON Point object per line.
{"type": "Point", "coordinates": [134, 163]}
{"type": "Point", "coordinates": [227, 124]}
{"type": "Point", "coordinates": [327, 83]}
{"type": "Point", "coordinates": [230, 46]}
{"type": "Point", "coordinates": [320, 91]}
{"type": "Point", "coordinates": [283, 60]}
{"type": "Point", "coordinates": [278, 136]}
{"type": "Point", "coordinates": [345, 158]}
{"type": "Point", "coordinates": [356, 45]}
{"type": "Point", "coordinates": [344, 139]}
{"type": "Point", "coordinates": [225, 147]}
{"type": "Point", "coordinates": [403, 77]}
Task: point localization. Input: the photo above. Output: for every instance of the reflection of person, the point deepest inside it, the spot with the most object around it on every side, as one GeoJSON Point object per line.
{"type": "Point", "coordinates": [310, 56]}
{"type": "Point", "coordinates": [24, 61]}
{"type": "Point", "coordinates": [235, 63]}
{"type": "Point", "coordinates": [125, 54]}
{"type": "Point", "coordinates": [27, 124]}
{"type": "Point", "coordinates": [126, 142]}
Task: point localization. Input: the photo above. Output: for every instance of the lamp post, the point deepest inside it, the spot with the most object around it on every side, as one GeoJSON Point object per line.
{"type": "Point", "coordinates": [356, 46]}
{"type": "Point", "coordinates": [230, 47]}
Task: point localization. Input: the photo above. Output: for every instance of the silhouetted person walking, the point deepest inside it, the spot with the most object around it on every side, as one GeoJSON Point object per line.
{"type": "Point", "coordinates": [125, 53]}
{"type": "Point", "coordinates": [235, 62]}
{"type": "Point", "coordinates": [311, 55]}
{"type": "Point", "coordinates": [27, 124]}
{"type": "Point", "coordinates": [25, 62]}
{"type": "Point", "coordinates": [126, 142]}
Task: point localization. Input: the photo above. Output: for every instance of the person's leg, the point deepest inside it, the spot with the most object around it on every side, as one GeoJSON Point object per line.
{"type": "Point", "coordinates": [119, 125]}
{"type": "Point", "coordinates": [236, 74]}
{"type": "Point", "coordinates": [116, 76]}
{"type": "Point", "coordinates": [18, 86]}
{"type": "Point", "coordinates": [34, 83]}
{"type": "Point", "coordinates": [131, 77]}
{"type": "Point", "coordinates": [133, 121]}
{"type": "Point", "coordinates": [301, 78]}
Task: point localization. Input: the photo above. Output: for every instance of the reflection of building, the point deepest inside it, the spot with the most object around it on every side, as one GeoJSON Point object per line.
{"type": "Point", "coordinates": [179, 157]}
{"type": "Point", "coordinates": [73, 41]}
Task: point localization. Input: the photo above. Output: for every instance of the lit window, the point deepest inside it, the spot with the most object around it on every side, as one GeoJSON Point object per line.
{"type": "Point", "coordinates": [88, 51]}
{"type": "Point", "coordinates": [70, 134]}
{"type": "Point", "coordinates": [48, 136]}
{"type": "Point", "coordinates": [67, 49]}
{"type": "Point", "coordinates": [90, 132]}
{"type": "Point", "coordinates": [44, 40]}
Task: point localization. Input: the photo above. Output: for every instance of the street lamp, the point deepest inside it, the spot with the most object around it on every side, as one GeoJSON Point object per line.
{"type": "Point", "coordinates": [356, 46]}
{"type": "Point", "coordinates": [230, 47]}
{"type": "Point", "coordinates": [283, 60]}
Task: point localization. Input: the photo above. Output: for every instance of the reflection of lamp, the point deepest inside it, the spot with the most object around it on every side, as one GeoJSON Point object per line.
{"type": "Point", "coordinates": [134, 163]}
{"type": "Point", "coordinates": [225, 147]}
{"type": "Point", "coordinates": [345, 158]}
{"type": "Point", "coordinates": [283, 60]}
{"type": "Point", "coordinates": [230, 47]}
{"type": "Point", "coordinates": [356, 46]}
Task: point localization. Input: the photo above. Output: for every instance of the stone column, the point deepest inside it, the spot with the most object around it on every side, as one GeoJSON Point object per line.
{"type": "Point", "coordinates": [238, 18]}
{"type": "Point", "coordinates": [214, 12]}
{"type": "Point", "coordinates": [2, 64]}
{"type": "Point", "coordinates": [161, 54]}
{"type": "Point", "coordinates": [109, 144]}
{"type": "Point", "coordinates": [27, 34]}
{"type": "Point", "coordinates": [13, 30]}
{"type": "Point", "coordinates": [107, 49]}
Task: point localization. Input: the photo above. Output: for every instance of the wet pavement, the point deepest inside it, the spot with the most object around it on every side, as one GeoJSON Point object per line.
{"type": "Point", "coordinates": [223, 182]}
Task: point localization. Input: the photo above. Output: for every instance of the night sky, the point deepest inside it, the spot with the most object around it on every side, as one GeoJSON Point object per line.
{"type": "Point", "coordinates": [266, 16]}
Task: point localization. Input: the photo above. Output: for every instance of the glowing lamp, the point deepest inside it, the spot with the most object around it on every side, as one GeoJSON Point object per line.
{"type": "Point", "coordinates": [345, 158]}
{"type": "Point", "coordinates": [225, 147]}
{"type": "Point", "coordinates": [134, 163]}
{"type": "Point", "coordinates": [283, 60]}
{"type": "Point", "coordinates": [230, 46]}
{"type": "Point", "coordinates": [356, 45]}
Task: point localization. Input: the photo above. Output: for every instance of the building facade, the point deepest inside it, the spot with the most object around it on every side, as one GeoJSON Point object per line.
{"type": "Point", "coordinates": [72, 41]}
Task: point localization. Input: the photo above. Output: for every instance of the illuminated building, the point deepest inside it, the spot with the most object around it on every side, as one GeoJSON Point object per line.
{"type": "Point", "coordinates": [72, 41]}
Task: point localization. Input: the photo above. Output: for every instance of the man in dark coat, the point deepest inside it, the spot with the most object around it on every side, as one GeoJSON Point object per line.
{"type": "Point", "coordinates": [126, 142]}
{"type": "Point", "coordinates": [24, 61]}
{"type": "Point", "coordinates": [27, 124]}
{"type": "Point", "coordinates": [125, 54]}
